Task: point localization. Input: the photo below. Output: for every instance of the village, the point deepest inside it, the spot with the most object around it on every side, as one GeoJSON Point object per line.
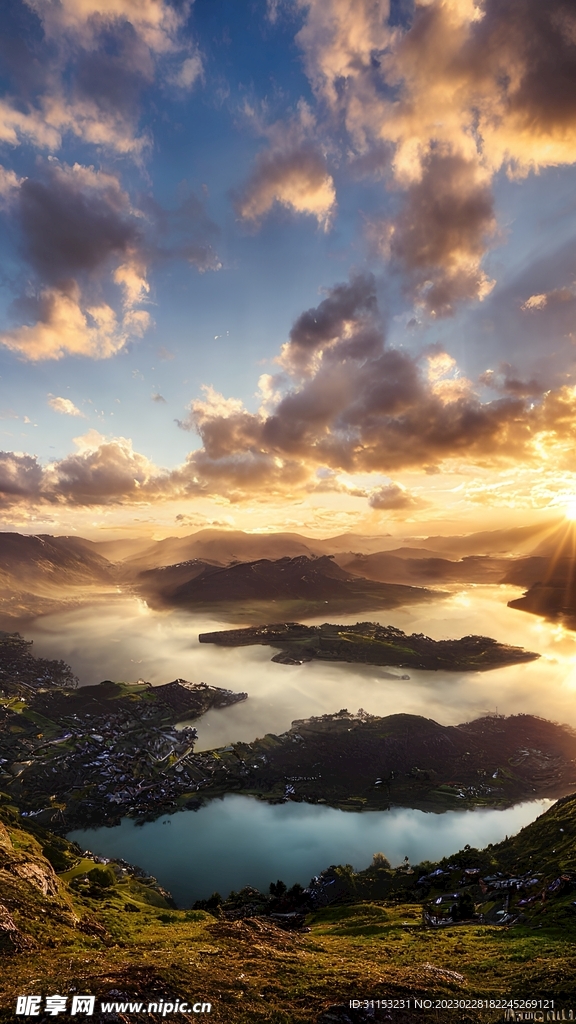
{"type": "Point", "coordinates": [74, 757]}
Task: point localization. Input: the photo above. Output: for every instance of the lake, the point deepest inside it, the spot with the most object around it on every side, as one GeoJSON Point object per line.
{"type": "Point", "coordinates": [121, 638]}
{"type": "Point", "coordinates": [240, 841]}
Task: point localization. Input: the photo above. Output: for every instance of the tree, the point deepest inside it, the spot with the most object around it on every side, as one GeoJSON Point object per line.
{"type": "Point", "coordinates": [380, 861]}
{"type": "Point", "coordinates": [278, 888]}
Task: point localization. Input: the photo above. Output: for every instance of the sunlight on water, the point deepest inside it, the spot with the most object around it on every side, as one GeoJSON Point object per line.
{"type": "Point", "coordinates": [238, 841]}
{"type": "Point", "coordinates": [123, 639]}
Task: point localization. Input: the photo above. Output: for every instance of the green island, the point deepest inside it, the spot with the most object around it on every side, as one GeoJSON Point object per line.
{"type": "Point", "coordinates": [372, 644]}
{"type": "Point", "coordinates": [496, 925]}
{"type": "Point", "coordinates": [73, 756]}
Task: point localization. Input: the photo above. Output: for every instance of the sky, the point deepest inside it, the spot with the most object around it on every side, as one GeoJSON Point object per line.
{"type": "Point", "coordinates": [271, 265]}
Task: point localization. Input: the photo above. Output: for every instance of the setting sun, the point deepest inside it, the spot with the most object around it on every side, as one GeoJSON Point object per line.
{"type": "Point", "coordinates": [570, 511]}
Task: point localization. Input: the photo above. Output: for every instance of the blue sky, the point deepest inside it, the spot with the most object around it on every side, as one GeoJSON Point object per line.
{"type": "Point", "coordinates": [181, 182]}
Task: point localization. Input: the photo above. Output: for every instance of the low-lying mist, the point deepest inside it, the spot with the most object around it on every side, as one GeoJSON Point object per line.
{"type": "Point", "coordinates": [121, 638]}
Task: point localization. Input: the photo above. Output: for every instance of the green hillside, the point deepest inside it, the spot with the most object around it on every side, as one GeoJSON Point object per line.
{"type": "Point", "coordinates": [69, 923]}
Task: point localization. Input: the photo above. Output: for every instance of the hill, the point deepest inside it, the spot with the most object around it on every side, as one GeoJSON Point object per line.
{"type": "Point", "coordinates": [75, 756]}
{"type": "Point", "coordinates": [42, 574]}
{"type": "Point", "coordinates": [363, 762]}
{"type": "Point", "coordinates": [312, 583]}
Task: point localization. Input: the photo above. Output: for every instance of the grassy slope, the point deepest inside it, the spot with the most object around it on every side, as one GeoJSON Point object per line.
{"type": "Point", "coordinates": [84, 936]}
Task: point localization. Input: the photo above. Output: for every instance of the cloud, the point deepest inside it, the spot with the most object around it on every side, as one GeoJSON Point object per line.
{"type": "Point", "coordinates": [158, 398]}
{"type": "Point", "coordinates": [538, 302]}
{"type": "Point", "coordinates": [296, 178]}
{"type": "Point", "coordinates": [353, 405]}
{"type": "Point", "coordinates": [345, 404]}
{"type": "Point", "coordinates": [97, 57]}
{"type": "Point", "coordinates": [20, 476]}
{"type": "Point", "coordinates": [155, 22]}
{"type": "Point", "coordinates": [17, 126]}
{"type": "Point", "coordinates": [346, 320]}
{"type": "Point", "coordinates": [393, 498]}
{"type": "Point", "coordinates": [101, 472]}
{"type": "Point", "coordinates": [9, 185]}
{"type": "Point", "coordinates": [74, 219]}
{"type": "Point", "coordinates": [64, 326]}
{"type": "Point", "coordinates": [292, 172]}
{"type": "Point", "coordinates": [79, 232]}
{"type": "Point", "coordinates": [464, 91]}
{"type": "Point", "coordinates": [64, 405]}
{"type": "Point", "coordinates": [89, 248]}
{"type": "Point", "coordinates": [188, 73]}
{"type": "Point", "coordinates": [440, 236]}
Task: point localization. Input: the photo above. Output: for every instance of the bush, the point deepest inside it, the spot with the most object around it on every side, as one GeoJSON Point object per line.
{"type": "Point", "coordinates": [464, 908]}
{"type": "Point", "coordinates": [103, 877]}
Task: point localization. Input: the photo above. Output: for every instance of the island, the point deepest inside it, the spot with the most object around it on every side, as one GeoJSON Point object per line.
{"type": "Point", "coordinates": [372, 644]}
{"type": "Point", "coordinates": [75, 756]}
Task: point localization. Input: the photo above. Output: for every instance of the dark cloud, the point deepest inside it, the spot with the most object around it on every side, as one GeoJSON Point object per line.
{"type": "Point", "coordinates": [457, 91]}
{"type": "Point", "coordinates": [113, 72]}
{"type": "Point", "coordinates": [356, 409]}
{"type": "Point", "coordinates": [73, 222]}
{"type": "Point", "coordinates": [70, 228]}
{"type": "Point", "coordinates": [529, 48]}
{"type": "Point", "coordinates": [441, 234]}
{"type": "Point", "coordinates": [366, 410]}
{"type": "Point", "coordinates": [506, 380]}
{"type": "Point", "coordinates": [184, 232]}
{"type": "Point", "coordinates": [347, 317]}
{"type": "Point", "coordinates": [20, 476]}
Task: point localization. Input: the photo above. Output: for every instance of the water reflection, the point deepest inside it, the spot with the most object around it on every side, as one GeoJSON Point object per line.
{"type": "Point", "coordinates": [123, 639]}
{"type": "Point", "coordinates": [239, 841]}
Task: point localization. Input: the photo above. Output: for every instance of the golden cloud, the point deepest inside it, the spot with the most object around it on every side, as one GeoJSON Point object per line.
{"type": "Point", "coordinates": [469, 88]}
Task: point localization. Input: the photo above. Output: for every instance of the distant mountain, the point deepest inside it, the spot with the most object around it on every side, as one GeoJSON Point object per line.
{"type": "Point", "coordinates": [41, 574]}
{"type": "Point", "coordinates": [512, 541]}
{"type": "Point", "coordinates": [221, 547]}
{"type": "Point", "coordinates": [399, 567]}
{"type": "Point", "coordinates": [550, 575]}
{"type": "Point", "coordinates": [61, 560]}
{"type": "Point", "coordinates": [315, 581]}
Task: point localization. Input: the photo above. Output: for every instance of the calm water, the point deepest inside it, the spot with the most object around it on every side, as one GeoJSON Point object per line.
{"type": "Point", "coordinates": [122, 639]}
{"type": "Point", "coordinates": [239, 841]}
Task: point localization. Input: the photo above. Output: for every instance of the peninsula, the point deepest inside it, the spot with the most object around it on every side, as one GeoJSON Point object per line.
{"type": "Point", "coordinates": [363, 762]}
{"type": "Point", "coordinates": [93, 754]}
{"type": "Point", "coordinates": [372, 644]}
